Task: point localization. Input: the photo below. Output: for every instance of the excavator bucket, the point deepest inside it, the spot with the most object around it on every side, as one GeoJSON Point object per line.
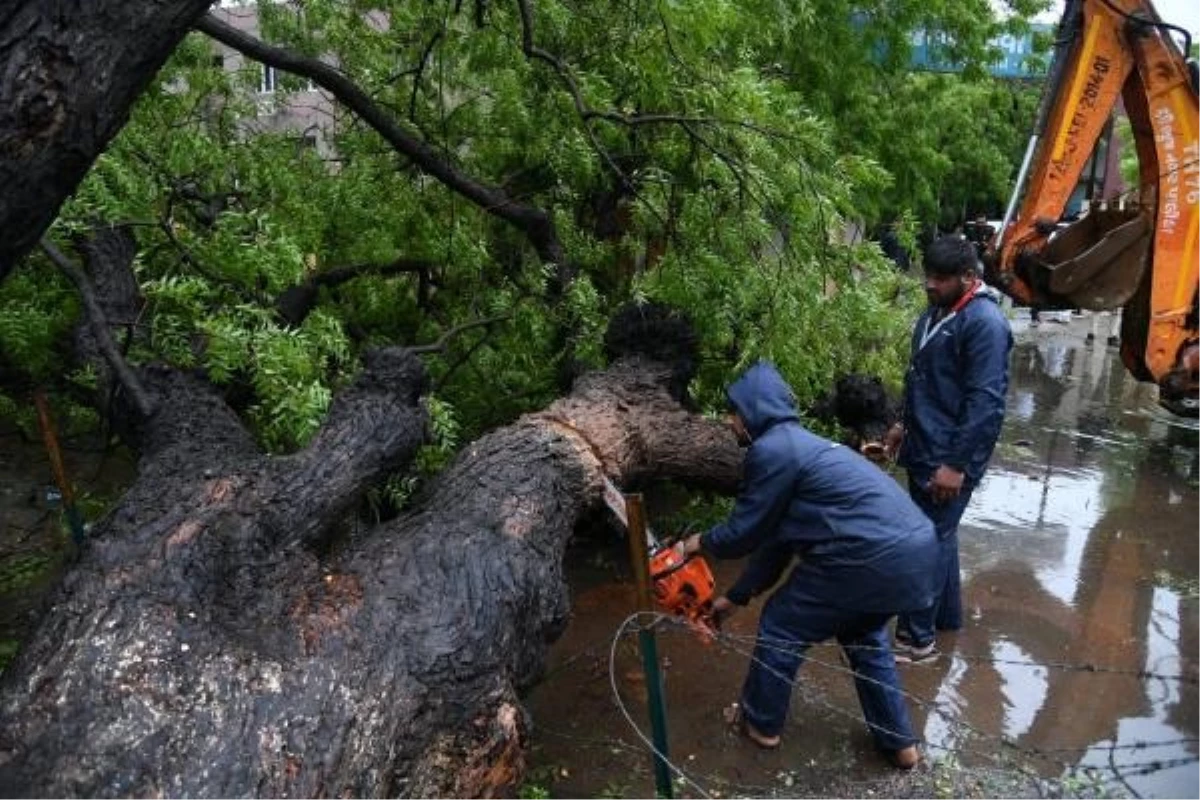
{"type": "Point", "coordinates": [1097, 262]}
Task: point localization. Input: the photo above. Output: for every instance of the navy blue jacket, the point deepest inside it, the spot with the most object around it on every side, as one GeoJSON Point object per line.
{"type": "Point", "coordinates": [954, 390]}
{"type": "Point", "coordinates": [864, 545]}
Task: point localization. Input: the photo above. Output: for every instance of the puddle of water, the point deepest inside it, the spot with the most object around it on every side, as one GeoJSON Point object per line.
{"type": "Point", "coordinates": [1080, 555]}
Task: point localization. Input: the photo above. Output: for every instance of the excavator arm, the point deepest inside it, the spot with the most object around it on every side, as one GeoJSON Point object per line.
{"type": "Point", "coordinates": [1140, 256]}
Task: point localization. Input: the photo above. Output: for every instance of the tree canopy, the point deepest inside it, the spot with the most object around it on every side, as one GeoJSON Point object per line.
{"type": "Point", "coordinates": [513, 172]}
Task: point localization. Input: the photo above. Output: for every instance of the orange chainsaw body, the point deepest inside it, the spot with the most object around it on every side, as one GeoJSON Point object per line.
{"type": "Point", "coordinates": [684, 587]}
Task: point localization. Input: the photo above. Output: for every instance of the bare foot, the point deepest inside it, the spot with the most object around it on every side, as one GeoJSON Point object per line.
{"type": "Point", "coordinates": [905, 758]}
{"type": "Point", "coordinates": [733, 716]}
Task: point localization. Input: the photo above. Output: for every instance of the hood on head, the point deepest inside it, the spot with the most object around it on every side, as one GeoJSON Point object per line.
{"type": "Point", "coordinates": [762, 398]}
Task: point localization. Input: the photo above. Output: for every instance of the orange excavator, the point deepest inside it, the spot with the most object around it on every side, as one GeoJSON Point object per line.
{"type": "Point", "coordinates": [1139, 256]}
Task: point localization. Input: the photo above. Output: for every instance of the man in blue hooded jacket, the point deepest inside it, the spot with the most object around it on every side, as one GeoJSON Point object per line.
{"type": "Point", "coordinates": [954, 395]}
{"type": "Point", "coordinates": [866, 554]}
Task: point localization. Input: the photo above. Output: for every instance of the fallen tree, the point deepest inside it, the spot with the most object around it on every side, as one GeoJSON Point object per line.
{"type": "Point", "coordinates": [224, 635]}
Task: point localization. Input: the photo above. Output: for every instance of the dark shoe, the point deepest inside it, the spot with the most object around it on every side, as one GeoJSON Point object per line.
{"type": "Point", "coordinates": [912, 654]}
{"type": "Point", "coordinates": [905, 758]}
{"type": "Point", "coordinates": [1114, 341]}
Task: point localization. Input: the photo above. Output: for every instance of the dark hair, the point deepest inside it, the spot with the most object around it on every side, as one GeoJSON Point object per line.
{"type": "Point", "coordinates": [950, 255]}
{"type": "Point", "coordinates": [861, 405]}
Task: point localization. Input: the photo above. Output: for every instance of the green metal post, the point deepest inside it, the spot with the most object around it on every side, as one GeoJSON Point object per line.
{"type": "Point", "coordinates": [46, 423]}
{"type": "Point", "coordinates": [640, 557]}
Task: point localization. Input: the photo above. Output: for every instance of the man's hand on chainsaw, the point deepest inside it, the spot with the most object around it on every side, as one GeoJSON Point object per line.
{"type": "Point", "coordinates": [722, 609]}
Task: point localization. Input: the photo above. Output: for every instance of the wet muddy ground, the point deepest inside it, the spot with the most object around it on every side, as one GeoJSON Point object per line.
{"type": "Point", "coordinates": [1076, 673]}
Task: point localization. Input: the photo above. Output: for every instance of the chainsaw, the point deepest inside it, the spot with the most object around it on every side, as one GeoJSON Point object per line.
{"type": "Point", "coordinates": [683, 585]}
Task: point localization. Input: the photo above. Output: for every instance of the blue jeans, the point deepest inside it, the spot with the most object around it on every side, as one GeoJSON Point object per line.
{"type": "Point", "coordinates": [946, 612]}
{"type": "Point", "coordinates": [790, 622]}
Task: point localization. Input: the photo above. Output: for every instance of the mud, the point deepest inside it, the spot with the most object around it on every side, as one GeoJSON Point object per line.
{"type": "Point", "coordinates": [1076, 674]}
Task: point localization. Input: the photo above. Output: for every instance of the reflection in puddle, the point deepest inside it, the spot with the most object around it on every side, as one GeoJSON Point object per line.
{"type": "Point", "coordinates": [1162, 657]}
{"type": "Point", "coordinates": [1024, 689]}
{"type": "Point", "coordinates": [1067, 546]}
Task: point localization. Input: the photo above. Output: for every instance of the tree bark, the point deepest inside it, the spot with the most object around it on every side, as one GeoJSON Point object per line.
{"type": "Point", "coordinates": [223, 635]}
{"type": "Point", "coordinates": [70, 71]}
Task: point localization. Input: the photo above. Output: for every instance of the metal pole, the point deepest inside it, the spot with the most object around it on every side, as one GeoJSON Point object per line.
{"type": "Point", "coordinates": [640, 557]}
{"type": "Point", "coordinates": [1023, 173]}
{"type": "Point", "coordinates": [46, 423]}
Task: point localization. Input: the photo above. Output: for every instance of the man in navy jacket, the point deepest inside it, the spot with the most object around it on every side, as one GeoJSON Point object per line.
{"type": "Point", "coordinates": [954, 395]}
{"type": "Point", "coordinates": [866, 553]}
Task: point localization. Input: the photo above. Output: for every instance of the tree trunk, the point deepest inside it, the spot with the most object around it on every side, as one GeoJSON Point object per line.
{"type": "Point", "coordinates": [223, 636]}
{"type": "Point", "coordinates": [70, 71]}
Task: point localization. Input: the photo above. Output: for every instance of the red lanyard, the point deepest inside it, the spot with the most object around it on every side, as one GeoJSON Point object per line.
{"type": "Point", "coordinates": [966, 297]}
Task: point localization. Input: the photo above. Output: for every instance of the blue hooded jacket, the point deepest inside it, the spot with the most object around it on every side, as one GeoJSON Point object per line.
{"type": "Point", "coordinates": [864, 545]}
{"type": "Point", "coordinates": [955, 389]}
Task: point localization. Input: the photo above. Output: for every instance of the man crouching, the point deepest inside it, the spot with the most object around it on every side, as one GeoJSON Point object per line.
{"type": "Point", "coordinates": [867, 553]}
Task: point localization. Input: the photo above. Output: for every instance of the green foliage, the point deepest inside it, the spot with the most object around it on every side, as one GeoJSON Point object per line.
{"type": "Point", "coordinates": [758, 147]}
{"type": "Point", "coordinates": [399, 490]}
{"type": "Point", "coordinates": [37, 309]}
{"type": "Point", "coordinates": [616, 789]}
{"type": "Point", "coordinates": [444, 435]}
{"type": "Point", "coordinates": [1123, 134]}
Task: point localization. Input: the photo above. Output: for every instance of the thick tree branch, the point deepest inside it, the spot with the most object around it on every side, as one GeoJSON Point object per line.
{"type": "Point", "coordinates": [108, 348]}
{"type": "Point", "coordinates": [68, 77]}
{"type": "Point", "coordinates": [534, 222]}
{"type": "Point", "coordinates": [390, 665]}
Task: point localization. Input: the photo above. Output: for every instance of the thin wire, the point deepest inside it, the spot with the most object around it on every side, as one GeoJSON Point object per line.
{"type": "Point", "coordinates": [658, 618]}
{"type": "Point", "coordinates": [1058, 665]}
{"type": "Point", "coordinates": [1043, 753]}
{"type": "Point", "coordinates": [727, 640]}
{"type": "Point", "coordinates": [612, 680]}
{"type": "Point", "coordinates": [1187, 36]}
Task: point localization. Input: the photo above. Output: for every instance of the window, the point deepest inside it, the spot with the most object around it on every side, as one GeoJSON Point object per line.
{"type": "Point", "coordinates": [267, 81]}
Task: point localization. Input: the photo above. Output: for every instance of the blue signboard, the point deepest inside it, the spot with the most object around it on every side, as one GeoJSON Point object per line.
{"type": "Point", "coordinates": [930, 49]}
